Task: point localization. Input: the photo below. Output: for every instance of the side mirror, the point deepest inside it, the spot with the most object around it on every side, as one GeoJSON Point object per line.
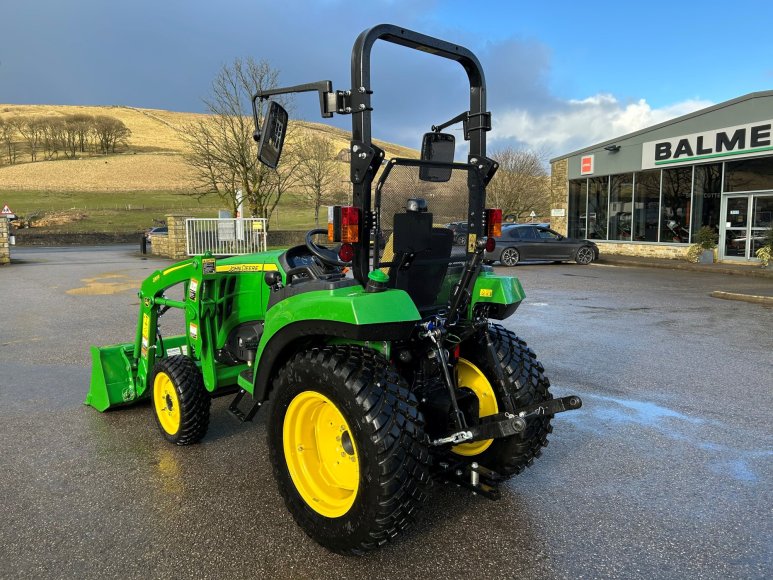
{"type": "Point", "coordinates": [438, 148]}
{"type": "Point", "coordinates": [272, 135]}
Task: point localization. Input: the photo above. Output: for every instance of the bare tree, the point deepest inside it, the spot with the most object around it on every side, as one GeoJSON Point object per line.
{"type": "Point", "coordinates": [31, 130]}
{"type": "Point", "coordinates": [110, 132]}
{"type": "Point", "coordinates": [319, 174]}
{"type": "Point", "coordinates": [223, 153]}
{"type": "Point", "coordinates": [521, 184]}
{"type": "Point", "coordinates": [70, 136]}
{"type": "Point", "coordinates": [8, 138]}
{"type": "Point", "coordinates": [287, 172]}
{"type": "Point", "coordinates": [52, 129]}
{"type": "Point", "coordinates": [82, 124]}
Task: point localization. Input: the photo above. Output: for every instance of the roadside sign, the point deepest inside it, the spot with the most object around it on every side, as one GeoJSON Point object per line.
{"type": "Point", "coordinates": [7, 212]}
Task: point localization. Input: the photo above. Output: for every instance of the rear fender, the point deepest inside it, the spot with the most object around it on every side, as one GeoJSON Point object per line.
{"type": "Point", "coordinates": [349, 314]}
{"type": "Point", "coordinates": [504, 293]}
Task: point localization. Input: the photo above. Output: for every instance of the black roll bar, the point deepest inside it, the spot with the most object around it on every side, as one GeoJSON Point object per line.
{"type": "Point", "coordinates": [361, 89]}
{"type": "Point", "coordinates": [361, 177]}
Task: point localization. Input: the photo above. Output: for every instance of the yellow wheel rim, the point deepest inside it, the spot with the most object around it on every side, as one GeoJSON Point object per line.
{"type": "Point", "coordinates": [167, 404]}
{"type": "Point", "coordinates": [321, 454]}
{"type": "Point", "coordinates": [472, 378]}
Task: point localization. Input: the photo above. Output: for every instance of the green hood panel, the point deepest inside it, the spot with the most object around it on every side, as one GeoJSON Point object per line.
{"type": "Point", "coordinates": [351, 305]}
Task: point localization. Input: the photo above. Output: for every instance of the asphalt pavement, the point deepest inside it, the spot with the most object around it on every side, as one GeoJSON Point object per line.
{"type": "Point", "coordinates": [666, 471]}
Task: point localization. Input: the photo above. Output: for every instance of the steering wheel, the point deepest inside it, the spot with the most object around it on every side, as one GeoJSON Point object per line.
{"type": "Point", "coordinates": [327, 255]}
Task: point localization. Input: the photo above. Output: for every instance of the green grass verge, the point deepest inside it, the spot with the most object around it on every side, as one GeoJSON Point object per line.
{"type": "Point", "coordinates": [136, 211]}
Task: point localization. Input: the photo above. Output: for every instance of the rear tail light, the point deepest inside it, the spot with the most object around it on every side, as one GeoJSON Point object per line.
{"type": "Point", "coordinates": [346, 252]}
{"type": "Point", "coordinates": [494, 222]}
{"type": "Point", "coordinates": [491, 244]}
{"type": "Point", "coordinates": [343, 224]}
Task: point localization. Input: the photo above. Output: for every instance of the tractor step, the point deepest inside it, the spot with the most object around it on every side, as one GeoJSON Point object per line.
{"type": "Point", "coordinates": [237, 412]}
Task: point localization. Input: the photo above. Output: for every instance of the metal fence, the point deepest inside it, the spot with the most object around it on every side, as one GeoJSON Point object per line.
{"type": "Point", "coordinates": [225, 237]}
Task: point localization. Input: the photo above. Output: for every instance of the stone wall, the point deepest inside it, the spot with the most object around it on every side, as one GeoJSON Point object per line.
{"type": "Point", "coordinates": [559, 190]}
{"type": "Point", "coordinates": [172, 245]}
{"type": "Point", "coordinates": [672, 252]}
{"type": "Point", "coordinates": [5, 248]}
{"type": "Point", "coordinates": [31, 237]}
{"type": "Point", "coordinates": [286, 238]}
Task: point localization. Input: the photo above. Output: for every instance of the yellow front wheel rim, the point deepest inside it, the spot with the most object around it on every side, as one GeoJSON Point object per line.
{"type": "Point", "coordinates": [321, 454]}
{"type": "Point", "coordinates": [472, 378]}
{"type": "Point", "coordinates": [167, 403]}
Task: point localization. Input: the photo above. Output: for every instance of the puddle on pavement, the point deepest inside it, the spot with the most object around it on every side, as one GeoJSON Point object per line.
{"type": "Point", "coordinates": [105, 284]}
{"type": "Point", "coordinates": [642, 412]}
{"type": "Point", "coordinates": [599, 412]}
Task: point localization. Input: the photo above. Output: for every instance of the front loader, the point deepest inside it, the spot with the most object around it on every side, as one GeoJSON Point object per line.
{"type": "Point", "coordinates": [377, 351]}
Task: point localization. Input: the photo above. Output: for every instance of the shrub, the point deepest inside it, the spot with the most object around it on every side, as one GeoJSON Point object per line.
{"type": "Point", "coordinates": [765, 253]}
{"type": "Point", "coordinates": [707, 238]}
{"type": "Point", "coordinates": [693, 253]}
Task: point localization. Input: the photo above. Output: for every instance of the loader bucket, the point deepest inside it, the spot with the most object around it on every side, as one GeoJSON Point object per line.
{"type": "Point", "coordinates": [112, 377]}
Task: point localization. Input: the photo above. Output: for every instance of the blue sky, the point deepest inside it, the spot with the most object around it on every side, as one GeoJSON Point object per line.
{"type": "Point", "coordinates": [561, 75]}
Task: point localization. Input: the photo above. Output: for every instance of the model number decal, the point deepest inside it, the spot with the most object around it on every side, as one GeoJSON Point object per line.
{"type": "Point", "coordinates": [230, 268]}
{"type": "Point", "coordinates": [486, 292]}
{"type": "Point", "coordinates": [145, 329]}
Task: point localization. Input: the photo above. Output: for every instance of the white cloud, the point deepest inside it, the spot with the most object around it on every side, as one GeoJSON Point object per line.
{"type": "Point", "coordinates": [574, 124]}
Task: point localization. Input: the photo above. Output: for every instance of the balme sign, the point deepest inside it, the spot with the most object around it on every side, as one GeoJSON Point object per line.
{"type": "Point", "coordinates": [740, 141]}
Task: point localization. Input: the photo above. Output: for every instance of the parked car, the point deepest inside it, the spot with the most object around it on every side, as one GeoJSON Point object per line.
{"type": "Point", "coordinates": [522, 242]}
{"type": "Point", "coordinates": [460, 230]}
{"type": "Point", "coordinates": [159, 230]}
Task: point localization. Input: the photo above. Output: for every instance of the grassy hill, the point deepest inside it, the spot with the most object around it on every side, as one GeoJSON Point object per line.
{"type": "Point", "coordinates": [128, 190]}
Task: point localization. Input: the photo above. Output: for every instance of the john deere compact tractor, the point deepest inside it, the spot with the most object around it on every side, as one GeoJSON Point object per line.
{"type": "Point", "coordinates": [375, 350]}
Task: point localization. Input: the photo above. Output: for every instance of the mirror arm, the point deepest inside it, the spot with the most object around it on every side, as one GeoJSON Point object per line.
{"type": "Point", "coordinates": [459, 118]}
{"type": "Point", "coordinates": [324, 88]}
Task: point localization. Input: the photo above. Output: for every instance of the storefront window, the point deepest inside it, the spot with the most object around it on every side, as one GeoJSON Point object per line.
{"type": "Point", "coordinates": [620, 206]}
{"type": "Point", "coordinates": [578, 200]}
{"type": "Point", "coordinates": [675, 207]}
{"type": "Point", "coordinates": [646, 206]}
{"type": "Point", "coordinates": [598, 198]}
{"type": "Point", "coordinates": [707, 197]}
{"type": "Point", "coordinates": [753, 174]}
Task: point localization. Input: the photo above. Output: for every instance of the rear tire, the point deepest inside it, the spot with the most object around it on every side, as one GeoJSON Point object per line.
{"type": "Point", "coordinates": [584, 255]}
{"type": "Point", "coordinates": [382, 435]}
{"type": "Point", "coordinates": [180, 400]}
{"type": "Point", "coordinates": [525, 384]}
{"type": "Point", "coordinates": [510, 257]}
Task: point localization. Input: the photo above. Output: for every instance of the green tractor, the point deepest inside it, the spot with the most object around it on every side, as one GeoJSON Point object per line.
{"type": "Point", "coordinates": [375, 350]}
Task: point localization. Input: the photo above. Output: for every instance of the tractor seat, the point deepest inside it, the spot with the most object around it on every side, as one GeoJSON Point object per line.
{"type": "Point", "coordinates": [423, 277]}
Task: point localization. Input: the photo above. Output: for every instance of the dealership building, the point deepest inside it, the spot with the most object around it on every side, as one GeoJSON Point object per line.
{"type": "Point", "coordinates": [649, 192]}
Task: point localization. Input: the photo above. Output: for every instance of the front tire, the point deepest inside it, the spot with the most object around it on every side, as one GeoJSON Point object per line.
{"type": "Point", "coordinates": [347, 446]}
{"type": "Point", "coordinates": [180, 400]}
{"type": "Point", "coordinates": [525, 384]}
{"type": "Point", "coordinates": [584, 256]}
{"type": "Point", "coordinates": [510, 257]}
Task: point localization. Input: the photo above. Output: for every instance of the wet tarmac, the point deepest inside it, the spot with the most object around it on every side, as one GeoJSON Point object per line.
{"type": "Point", "coordinates": [666, 471]}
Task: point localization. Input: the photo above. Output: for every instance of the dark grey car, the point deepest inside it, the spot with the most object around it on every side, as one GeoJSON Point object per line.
{"type": "Point", "coordinates": [522, 242]}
